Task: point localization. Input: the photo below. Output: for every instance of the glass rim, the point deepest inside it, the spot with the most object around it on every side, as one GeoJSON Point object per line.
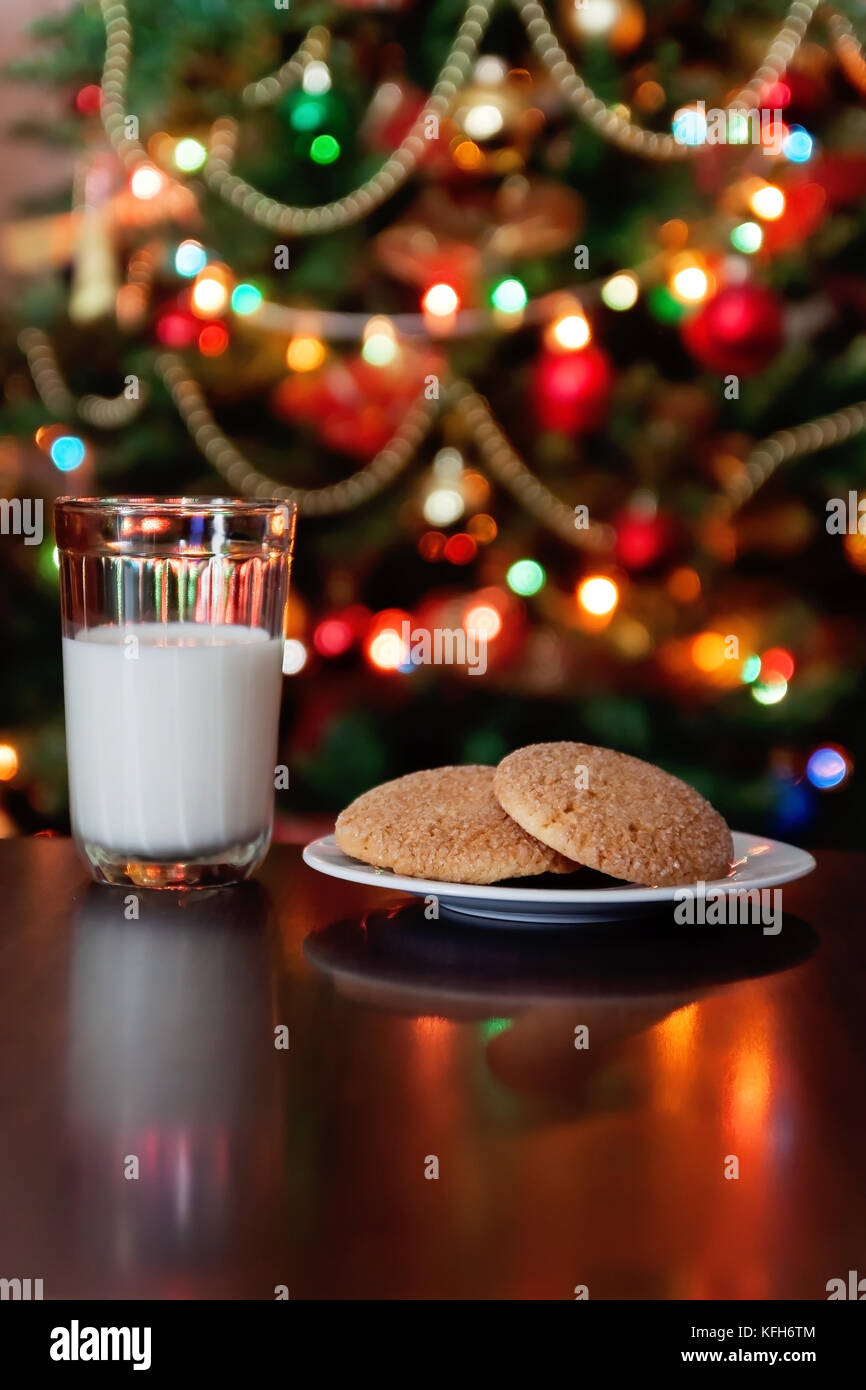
{"type": "Point", "coordinates": [137, 504]}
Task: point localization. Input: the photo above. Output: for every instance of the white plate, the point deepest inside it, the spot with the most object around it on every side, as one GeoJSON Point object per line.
{"type": "Point", "coordinates": [759, 863]}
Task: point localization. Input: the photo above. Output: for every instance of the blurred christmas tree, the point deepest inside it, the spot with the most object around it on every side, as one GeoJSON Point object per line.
{"type": "Point", "coordinates": [550, 318]}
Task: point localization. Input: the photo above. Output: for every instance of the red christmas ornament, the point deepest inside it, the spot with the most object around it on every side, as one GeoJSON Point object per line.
{"type": "Point", "coordinates": [739, 330]}
{"type": "Point", "coordinates": [571, 390]}
{"type": "Point", "coordinates": [642, 537]}
{"type": "Point", "coordinates": [354, 407]}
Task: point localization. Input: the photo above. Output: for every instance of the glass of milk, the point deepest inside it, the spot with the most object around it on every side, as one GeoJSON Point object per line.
{"type": "Point", "coordinates": [172, 613]}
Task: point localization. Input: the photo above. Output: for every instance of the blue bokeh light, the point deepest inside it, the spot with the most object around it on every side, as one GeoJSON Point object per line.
{"type": "Point", "coordinates": [826, 768]}
{"type": "Point", "coordinates": [67, 452]}
{"type": "Point", "coordinates": [798, 145]}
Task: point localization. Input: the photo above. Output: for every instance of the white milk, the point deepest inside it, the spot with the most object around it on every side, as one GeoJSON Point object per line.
{"type": "Point", "coordinates": [171, 752]}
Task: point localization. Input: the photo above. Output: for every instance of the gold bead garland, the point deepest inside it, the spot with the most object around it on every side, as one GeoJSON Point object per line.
{"type": "Point", "coordinates": [105, 412]}
{"type": "Point", "coordinates": [809, 438]}
{"type": "Point", "coordinates": [228, 460]}
{"type": "Point", "coordinates": [619, 130]}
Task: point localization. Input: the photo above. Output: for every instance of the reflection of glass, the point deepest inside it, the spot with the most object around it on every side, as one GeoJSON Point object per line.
{"type": "Point", "coordinates": [172, 634]}
{"type": "Point", "coordinates": [171, 1065]}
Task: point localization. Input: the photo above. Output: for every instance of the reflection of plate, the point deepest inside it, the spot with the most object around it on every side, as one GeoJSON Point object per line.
{"type": "Point", "coordinates": [395, 958]}
{"type": "Point", "coordinates": [759, 863]}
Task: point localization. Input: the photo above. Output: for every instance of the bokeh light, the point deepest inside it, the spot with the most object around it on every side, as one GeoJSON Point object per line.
{"type": "Point", "coordinates": [190, 258]}
{"type": "Point", "coordinates": [213, 340]}
{"type": "Point", "coordinates": [294, 656]}
{"type": "Point", "coordinates": [708, 651]}
{"type": "Point", "coordinates": [828, 767]}
{"type": "Point", "coordinates": [246, 298]}
{"type": "Point", "coordinates": [484, 621]}
{"type": "Point", "coordinates": [769, 692]}
{"type": "Point", "coordinates": [441, 300]}
{"type": "Point", "coordinates": [798, 145]}
{"type": "Point", "coordinates": [189, 154]}
{"type": "Point", "coordinates": [8, 762]}
{"type": "Point", "coordinates": [768, 202]}
{"type": "Point", "coordinates": [621, 291]}
{"type": "Point", "coordinates": [67, 452]}
{"type": "Point", "coordinates": [333, 637]}
{"type": "Point", "coordinates": [509, 296]}
{"type": "Point", "coordinates": [305, 354]}
{"type": "Point", "coordinates": [777, 665]}
{"type": "Point", "coordinates": [146, 182]}
{"type": "Point", "coordinates": [598, 595]}
{"type": "Point", "coordinates": [571, 332]}
{"type": "Point", "coordinates": [209, 295]}
{"type": "Point", "coordinates": [325, 149]}
{"type": "Point", "coordinates": [526, 577]}
{"type": "Point", "coordinates": [747, 237]}
{"type": "Point", "coordinates": [443, 506]}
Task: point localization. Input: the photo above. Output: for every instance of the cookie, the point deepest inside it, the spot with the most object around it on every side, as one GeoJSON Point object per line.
{"type": "Point", "coordinates": [442, 824]}
{"type": "Point", "coordinates": [614, 813]}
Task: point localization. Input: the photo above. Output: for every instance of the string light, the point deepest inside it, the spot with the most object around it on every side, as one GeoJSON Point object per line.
{"type": "Point", "coordinates": [509, 296]}
{"type": "Point", "coordinates": [751, 669]}
{"type": "Point", "coordinates": [317, 78]}
{"type": "Point", "coordinates": [294, 656]}
{"type": "Point", "coordinates": [767, 202]}
{"type": "Point", "coordinates": [777, 665]}
{"type": "Point", "coordinates": [598, 595]}
{"type": "Point", "coordinates": [146, 182]}
{"type": "Point", "coordinates": [570, 332]}
{"type": "Point", "coordinates": [747, 237]}
{"type": "Point", "coordinates": [385, 648]}
{"type": "Point", "coordinates": [443, 506]}
{"type": "Point", "coordinates": [798, 145]}
{"type": "Point", "coordinates": [213, 340]}
{"type": "Point", "coordinates": [828, 767]}
{"type": "Point", "coordinates": [8, 762]}
{"type": "Point", "coordinates": [189, 155]}
{"type": "Point", "coordinates": [621, 291]}
{"type": "Point", "coordinates": [190, 259]}
{"type": "Point", "coordinates": [305, 354]}
{"type": "Point", "coordinates": [209, 295]}
{"type": "Point", "coordinates": [246, 298]}
{"type": "Point", "coordinates": [380, 342]}
{"type": "Point", "coordinates": [325, 149]}
{"type": "Point", "coordinates": [441, 301]}
{"type": "Point", "coordinates": [526, 577]}
{"type": "Point", "coordinates": [708, 651]}
{"type": "Point", "coordinates": [690, 284]}
{"type": "Point", "coordinates": [484, 621]}
{"type": "Point", "coordinates": [461, 549]}
{"type": "Point", "coordinates": [689, 126]}
{"type": "Point", "coordinates": [770, 693]}
{"type": "Point", "coordinates": [67, 452]}
{"type": "Point", "coordinates": [333, 637]}
{"type": "Point", "coordinates": [483, 121]}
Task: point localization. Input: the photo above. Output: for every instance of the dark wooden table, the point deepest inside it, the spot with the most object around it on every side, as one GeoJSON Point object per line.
{"type": "Point", "coordinates": [148, 1046]}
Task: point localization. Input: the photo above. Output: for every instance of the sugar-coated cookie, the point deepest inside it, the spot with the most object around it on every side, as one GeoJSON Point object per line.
{"type": "Point", "coordinates": [443, 824]}
{"type": "Point", "coordinates": [614, 813]}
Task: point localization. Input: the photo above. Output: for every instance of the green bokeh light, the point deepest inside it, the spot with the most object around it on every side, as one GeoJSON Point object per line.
{"type": "Point", "coordinates": [747, 237]}
{"type": "Point", "coordinates": [509, 296]}
{"type": "Point", "coordinates": [246, 298]}
{"type": "Point", "coordinates": [526, 577]}
{"type": "Point", "coordinates": [189, 155]}
{"type": "Point", "coordinates": [751, 669]}
{"type": "Point", "coordinates": [324, 149]}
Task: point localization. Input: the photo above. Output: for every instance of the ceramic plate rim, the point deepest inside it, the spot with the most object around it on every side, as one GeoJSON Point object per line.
{"type": "Point", "coordinates": [325, 857]}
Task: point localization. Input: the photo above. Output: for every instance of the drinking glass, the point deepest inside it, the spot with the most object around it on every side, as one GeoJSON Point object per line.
{"type": "Point", "coordinates": [172, 621]}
